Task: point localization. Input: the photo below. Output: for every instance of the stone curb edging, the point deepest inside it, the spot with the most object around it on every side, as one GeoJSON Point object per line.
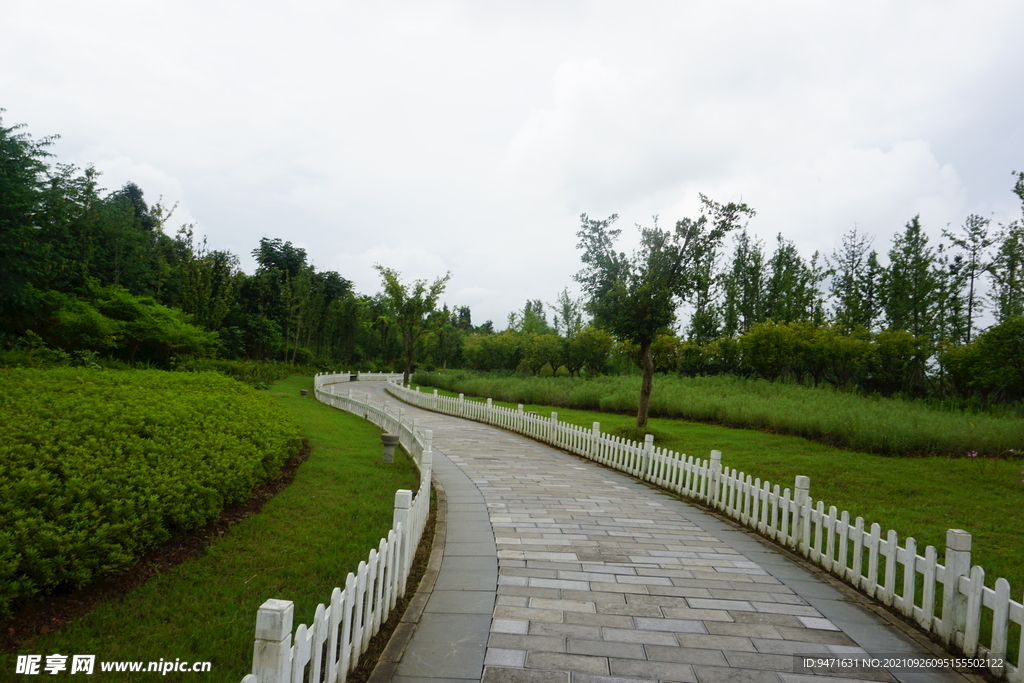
{"type": "Point", "coordinates": [387, 665]}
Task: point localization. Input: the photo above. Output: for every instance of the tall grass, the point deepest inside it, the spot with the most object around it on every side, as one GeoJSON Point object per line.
{"type": "Point", "coordinates": [869, 424]}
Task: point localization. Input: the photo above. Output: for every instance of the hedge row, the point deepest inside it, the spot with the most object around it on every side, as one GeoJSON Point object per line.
{"type": "Point", "coordinates": [98, 466]}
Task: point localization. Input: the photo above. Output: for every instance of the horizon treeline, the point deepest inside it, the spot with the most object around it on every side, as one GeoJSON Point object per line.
{"type": "Point", "coordinates": [89, 275]}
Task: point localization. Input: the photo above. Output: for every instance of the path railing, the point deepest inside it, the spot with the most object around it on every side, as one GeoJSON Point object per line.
{"type": "Point", "coordinates": [331, 646]}
{"type": "Point", "coordinates": [949, 600]}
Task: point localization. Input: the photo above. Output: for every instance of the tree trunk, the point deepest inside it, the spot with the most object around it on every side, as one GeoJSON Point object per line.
{"type": "Point", "coordinates": [647, 363]}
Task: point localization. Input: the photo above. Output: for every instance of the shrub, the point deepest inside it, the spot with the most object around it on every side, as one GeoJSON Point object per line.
{"type": "Point", "coordinates": [97, 466]}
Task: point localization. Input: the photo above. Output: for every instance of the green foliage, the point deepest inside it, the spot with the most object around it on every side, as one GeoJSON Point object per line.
{"type": "Point", "coordinates": [868, 424]}
{"type": "Point", "coordinates": [413, 305]}
{"type": "Point", "coordinates": [98, 466]}
{"type": "Point", "coordinates": [298, 548]}
{"type": "Point", "coordinates": [636, 297]}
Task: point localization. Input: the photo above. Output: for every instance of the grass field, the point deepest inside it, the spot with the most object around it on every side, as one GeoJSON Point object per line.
{"type": "Point", "coordinates": [863, 423]}
{"type": "Point", "coordinates": [303, 543]}
{"type": "Point", "coordinates": [915, 496]}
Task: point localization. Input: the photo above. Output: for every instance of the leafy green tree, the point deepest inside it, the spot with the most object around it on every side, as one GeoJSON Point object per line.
{"type": "Point", "coordinates": [1007, 267]}
{"type": "Point", "coordinates": [592, 347]}
{"type": "Point", "coordinates": [854, 272]}
{"type": "Point", "coordinates": [205, 281]}
{"type": "Point", "coordinates": [706, 319]}
{"type": "Point", "coordinates": [743, 286]}
{"type": "Point", "coordinates": [791, 290]}
{"type": "Point", "coordinates": [636, 297]}
{"type": "Point", "coordinates": [910, 283]}
{"type": "Point", "coordinates": [974, 241]}
{"type": "Point", "coordinates": [412, 304]}
{"type": "Point", "coordinates": [23, 256]}
{"type": "Point", "coordinates": [568, 318]}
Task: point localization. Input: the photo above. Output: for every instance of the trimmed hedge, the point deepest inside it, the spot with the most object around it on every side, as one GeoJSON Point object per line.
{"type": "Point", "coordinates": [98, 466]}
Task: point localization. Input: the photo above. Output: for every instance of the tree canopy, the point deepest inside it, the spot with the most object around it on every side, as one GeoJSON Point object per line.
{"type": "Point", "coordinates": [636, 297]}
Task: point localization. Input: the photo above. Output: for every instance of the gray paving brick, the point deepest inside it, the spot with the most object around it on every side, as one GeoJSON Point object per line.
{"type": "Point", "coordinates": [568, 662]}
{"type": "Point", "coordinates": [512, 641]}
{"type": "Point", "coordinates": [714, 674]}
{"type": "Point", "coordinates": [685, 655]}
{"type": "Point", "coordinates": [605, 649]}
{"type": "Point", "coordinates": [495, 674]}
{"type": "Point", "coordinates": [622, 635]}
{"type": "Point", "coordinates": [662, 671]}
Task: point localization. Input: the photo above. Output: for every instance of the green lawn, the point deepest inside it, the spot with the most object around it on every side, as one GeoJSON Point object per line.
{"type": "Point", "coordinates": [303, 543]}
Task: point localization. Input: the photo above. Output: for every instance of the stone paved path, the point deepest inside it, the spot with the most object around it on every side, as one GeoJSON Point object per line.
{"type": "Point", "coordinates": [556, 570]}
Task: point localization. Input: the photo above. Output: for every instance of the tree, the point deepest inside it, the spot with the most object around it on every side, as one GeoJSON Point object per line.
{"type": "Point", "coordinates": [743, 286]}
{"type": "Point", "coordinates": [636, 297]}
{"type": "Point", "coordinates": [910, 284]}
{"type": "Point", "coordinates": [23, 172]}
{"type": "Point", "coordinates": [974, 241]}
{"type": "Point", "coordinates": [568, 314]}
{"type": "Point", "coordinates": [854, 287]}
{"type": "Point", "coordinates": [412, 305]}
{"type": "Point", "coordinates": [1007, 268]}
{"type": "Point", "coordinates": [791, 292]}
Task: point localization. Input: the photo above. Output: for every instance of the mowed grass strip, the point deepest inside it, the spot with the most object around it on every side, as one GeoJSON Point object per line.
{"type": "Point", "coordinates": [914, 496]}
{"type": "Point", "coordinates": [299, 547]}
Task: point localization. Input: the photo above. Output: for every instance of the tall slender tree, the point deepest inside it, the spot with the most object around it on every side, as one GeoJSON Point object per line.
{"type": "Point", "coordinates": [974, 241]}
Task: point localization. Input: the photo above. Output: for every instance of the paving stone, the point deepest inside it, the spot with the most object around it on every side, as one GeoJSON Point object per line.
{"type": "Point", "coordinates": [685, 655]}
{"type": "Point", "coordinates": [497, 656]}
{"type": "Point", "coordinates": [593, 678]}
{"type": "Point", "coordinates": [512, 641]}
{"type": "Point", "coordinates": [673, 625]}
{"type": "Point", "coordinates": [715, 642]}
{"type": "Point", "coordinates": [605, 649]}
{"type": "Point", "coordinates": [663, 671]}
{"type": "Point", "coordinates": [714, 674]}
{"type": "Point", "coordinates": [760, 660]}
{"type": "Point", "coordinates": [815, 636]}
{"type": "Point", "coordinates": [572, 630]}
{"type": "Point", "coordinates": [616, 620]}
{"type": "Point", "coordinates": [528, 614]}
{"type": "Point", "coordinates": [622, 635]}
{"type": "Point", "coordinates": [494, 674]}
{"type": "Point", "coordinates": [568, 662]}
{"type": "Point", "coordinates": [747, 630]}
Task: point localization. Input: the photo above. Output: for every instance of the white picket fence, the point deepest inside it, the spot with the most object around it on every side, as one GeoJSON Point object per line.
{"type": "Point", "coordinates": [861, 555]}
{"type": "Point", "coordinates": [330, 648]}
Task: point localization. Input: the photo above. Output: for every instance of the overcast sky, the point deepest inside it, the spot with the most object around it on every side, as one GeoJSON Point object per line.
{"type": "Point", "coordinates": [470, 136]}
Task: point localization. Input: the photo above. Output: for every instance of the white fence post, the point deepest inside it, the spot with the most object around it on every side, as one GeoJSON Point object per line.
{"type": "Point", "coordinates": [716, 476]}
{"type": "Point", "coordinates": [427, 459]}
{"type": "Point", "coordinates": [403, 501]}
{"type": "Point", "coordinates": [595, 440]}
{"type": "Point", "coordinates": [954, 603]}
{"type": "Point", "coordinates": [271, 654]}
{"type": "Point", "coordinates": [553, 429]}
{"type": "Point", "coordinates": [802, 517]}
{"type": "Point", "coordinates": [648, 467]}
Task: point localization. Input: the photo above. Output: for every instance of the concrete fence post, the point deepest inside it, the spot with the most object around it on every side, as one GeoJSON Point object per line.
{"type": "Point", "coordinates": [716, 476]}
{"type": "Point", "coordinates": [403, 501]}
{"type": "Point", "coordinates": [954, 603]}
{"type": "Point", "coordinates": [427, 462]}
{"type": "Point", "coordinates": [272, 652]}
{"type": "Point", "coordinates": [595, 440]}
{"type": "Point", "coordinates": [490, 410]}
{"type": "Point", "coordinates": [648, 468]}
{"type": "Point", "coordinates": [553, 430]}
{"type": "Point", "coordinates": [802, 516]}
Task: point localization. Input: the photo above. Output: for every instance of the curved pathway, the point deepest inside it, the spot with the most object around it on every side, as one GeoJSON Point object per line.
{"type": "Point", "coordinates": [557, 570]}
